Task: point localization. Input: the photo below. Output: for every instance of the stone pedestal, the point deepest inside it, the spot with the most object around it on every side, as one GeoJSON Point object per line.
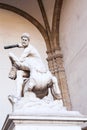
{"type": "Point", "coordinates": [32, 113]}
{"type": "Point", "coordinates": [43, 122]}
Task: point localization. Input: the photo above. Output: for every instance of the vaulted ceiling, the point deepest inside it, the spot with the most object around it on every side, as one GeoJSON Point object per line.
{"type": "Point", "coordinates": [32, 7]}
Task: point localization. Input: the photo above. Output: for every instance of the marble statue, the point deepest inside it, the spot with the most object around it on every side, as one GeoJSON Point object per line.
{"type": "Point", "coordinates": [34, 81]}
{"type": "Point", "coordinates": [30, 72]}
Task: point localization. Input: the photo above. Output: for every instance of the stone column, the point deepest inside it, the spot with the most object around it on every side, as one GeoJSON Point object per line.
{"type": "Point", "coordinates": [55, 62]}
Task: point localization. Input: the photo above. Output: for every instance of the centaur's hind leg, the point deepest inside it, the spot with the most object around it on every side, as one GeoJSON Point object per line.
{"type": "Point", "coordinates": [55, 89]}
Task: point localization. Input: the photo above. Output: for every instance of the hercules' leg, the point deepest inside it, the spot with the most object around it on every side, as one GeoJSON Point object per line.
{"type": "Point", "coordinates": [13, 71]}
{"type": "Point", "coordinates": [13, 58]}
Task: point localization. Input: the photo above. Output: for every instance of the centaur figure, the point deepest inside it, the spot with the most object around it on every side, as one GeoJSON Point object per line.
{"type": "Point", "coordinates": [30, 72]}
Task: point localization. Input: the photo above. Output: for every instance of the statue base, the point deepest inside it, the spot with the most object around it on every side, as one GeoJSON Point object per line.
{"type": "Point", "coordinates": [31, 105]}
{"type": "Point", "coordinates": [32, 113]}
{"type": "Point", "coordinates": [45, 122]}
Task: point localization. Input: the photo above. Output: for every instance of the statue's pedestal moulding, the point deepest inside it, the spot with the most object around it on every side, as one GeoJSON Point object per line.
{"type": "Point", "coordinates": [44, 122]}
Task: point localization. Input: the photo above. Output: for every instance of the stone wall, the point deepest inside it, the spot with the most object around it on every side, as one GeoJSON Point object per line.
{"type": "Point", "coordinates": [73, 42]}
